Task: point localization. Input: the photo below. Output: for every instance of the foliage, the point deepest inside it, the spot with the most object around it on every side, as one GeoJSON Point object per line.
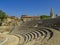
{"type": "Point", "coordinates": [2, 15]}
{"type": "Point", "coordinates": [44, 16]}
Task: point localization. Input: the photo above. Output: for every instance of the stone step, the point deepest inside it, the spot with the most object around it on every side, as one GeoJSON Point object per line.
{"type": "Point", "coordinates": [50, 31]}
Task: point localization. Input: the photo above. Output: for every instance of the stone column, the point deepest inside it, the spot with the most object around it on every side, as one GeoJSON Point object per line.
{"type": "Point", "coordinates": [52, 13]}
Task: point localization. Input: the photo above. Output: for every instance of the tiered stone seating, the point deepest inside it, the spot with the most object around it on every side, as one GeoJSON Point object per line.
{"type": "Point", "coordinates": [32, 35]}
{"type": "Point", "coordinates": [30, 23]}
{"type": "Point", "coordinates": [38, 33]}
{"type": "Point", "coordinates": [57, 27]}
{"type": "Point", "coordinates": [29, 32]}
{"type": "Point", "coordinates": [50, 31]}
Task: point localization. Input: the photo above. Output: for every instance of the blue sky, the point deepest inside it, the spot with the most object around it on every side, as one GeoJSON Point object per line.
{"type": "Point", "coordinates": [29, 7]}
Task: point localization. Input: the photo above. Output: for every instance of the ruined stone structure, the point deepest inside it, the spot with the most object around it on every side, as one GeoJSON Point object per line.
{"type": "Point", "coordinates": [30, 18]}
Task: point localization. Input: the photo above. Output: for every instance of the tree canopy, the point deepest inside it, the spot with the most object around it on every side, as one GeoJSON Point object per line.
{"type": "Point", "coordinates": [44, 16]}
{"type": "Point", "coordinates": [2, 15]}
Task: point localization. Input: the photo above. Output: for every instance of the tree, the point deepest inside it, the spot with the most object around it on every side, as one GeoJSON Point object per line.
{"type": "Point", "coordinates": [2, 15]}
{"type": "Point", "coordinates": [44, 16]}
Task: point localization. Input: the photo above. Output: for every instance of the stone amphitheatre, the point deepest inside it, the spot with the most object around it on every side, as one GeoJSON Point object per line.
{"type": "Point", "coordinates": [35, 32]}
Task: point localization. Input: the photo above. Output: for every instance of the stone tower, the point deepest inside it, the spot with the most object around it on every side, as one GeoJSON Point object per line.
{"type": "Point", "coordinates": [52, 13]}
